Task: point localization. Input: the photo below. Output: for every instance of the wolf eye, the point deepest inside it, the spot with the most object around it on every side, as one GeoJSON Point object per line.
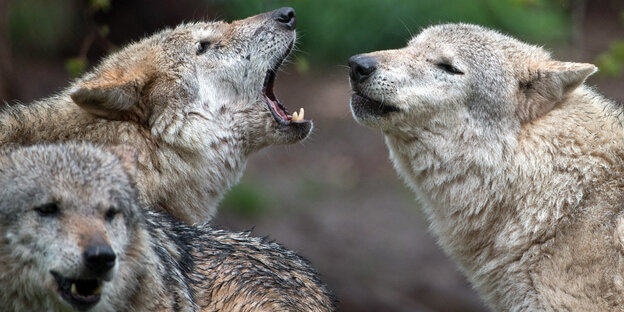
{"type": "Point", "coordinates": [111, 213]}
{"type": "Point", "coordinates": [202, 47]}
{"type": "Point", "coordinates": [450, 68]}
{"type": "Point", "coordinates": [47, 210]}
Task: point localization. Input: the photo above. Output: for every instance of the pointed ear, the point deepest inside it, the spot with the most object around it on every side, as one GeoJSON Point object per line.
{"type": "Point", "coordinates": [111, 92]}
{"type": "Point", "coordinates": [128, 156]}
{"type": "Point", "coordinates": [547, 84]}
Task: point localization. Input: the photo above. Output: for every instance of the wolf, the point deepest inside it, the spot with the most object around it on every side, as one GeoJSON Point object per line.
{"type": "Point", "coordinates": [195, 101]}
{"type": "Point", "coordinates": [518, 165]}
{"type": "Point", "coordinates": [74, 237]}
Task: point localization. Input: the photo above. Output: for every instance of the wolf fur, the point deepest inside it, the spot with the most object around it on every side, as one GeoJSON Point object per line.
{"type": "Point", "coordinates": [518, 165]}
{"type": "Point", "coordinates": [57, 201]}
{"type": "Point", "coordinates": [194, 100]}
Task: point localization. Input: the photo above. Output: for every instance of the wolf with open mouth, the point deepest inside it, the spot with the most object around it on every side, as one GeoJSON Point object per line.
{"type": "Point", "coordinates": [195, 101]}
{"type": "Point", "coordinates": [74, 237]}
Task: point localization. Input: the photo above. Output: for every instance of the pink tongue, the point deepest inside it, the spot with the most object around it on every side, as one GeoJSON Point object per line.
{"type": "Point", "coordinates": [280, 112]}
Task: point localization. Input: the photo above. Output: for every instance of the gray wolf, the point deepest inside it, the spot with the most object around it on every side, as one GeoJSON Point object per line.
{"type": "Point", "coordinates": [518, 165]}
{"type": "Point", "coordinates": [74, 237]}
{"type": "Point", "coordinates": [195, 101]}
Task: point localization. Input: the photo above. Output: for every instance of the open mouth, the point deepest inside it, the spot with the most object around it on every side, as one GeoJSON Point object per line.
{"type": "Point", "coordinates": [363, 105]}
{"type": "Point", "coordinates": [280, 113]}
{"type": "Point", "coordinates": [82, 294]}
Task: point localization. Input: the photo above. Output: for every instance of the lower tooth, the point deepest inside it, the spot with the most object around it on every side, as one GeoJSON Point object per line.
{"type": "Point", "coordinates": [98, 290]}
{"type": "Point", "coordinates": [74, 290]}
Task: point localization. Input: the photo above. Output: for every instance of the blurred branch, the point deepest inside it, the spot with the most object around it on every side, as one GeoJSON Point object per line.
{"type": "Point", "coordinates": [96, 36]}
{"type": "Point", "coordinates": [578, 18]}
{"type": "Point", "coordinates": [7, 85]}
{"type": "Point", "coordinates": [611, 62]}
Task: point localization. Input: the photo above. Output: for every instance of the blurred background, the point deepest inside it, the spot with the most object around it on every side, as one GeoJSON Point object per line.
{"type": "Point", "coordinates": [335, 198]}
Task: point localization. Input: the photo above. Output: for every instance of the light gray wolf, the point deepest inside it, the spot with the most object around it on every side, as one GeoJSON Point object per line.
{"type": "Point", "coordinates": [74, 237]}
{"type": "Point", "coordinates": [517, 164]}
{"type": "Point", "coordinates": [195, 101]}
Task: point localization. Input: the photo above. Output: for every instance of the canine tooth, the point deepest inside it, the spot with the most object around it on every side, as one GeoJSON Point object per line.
{"type": "Point", "coordinates": [74, 290]}
{"type": "Point", "coordinates": [301, 114]}
{"type": "Point", "coordinates": [98, 290]}
{"type": "Point", "coordinates": [295, 117]}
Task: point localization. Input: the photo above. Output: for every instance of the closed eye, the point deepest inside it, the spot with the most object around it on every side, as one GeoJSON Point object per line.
{"type": "Point", "coordinates": [202, 47]}
{"type": "Point", "coordinates": [449, 68]}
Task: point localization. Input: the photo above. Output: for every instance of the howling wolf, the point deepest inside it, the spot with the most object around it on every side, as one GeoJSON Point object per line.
{"type": "Point", "coordinates": [195, 101]}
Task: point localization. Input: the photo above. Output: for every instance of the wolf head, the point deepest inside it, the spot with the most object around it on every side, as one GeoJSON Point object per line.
{"type": "Point", "coordinates": [459, 76]}
{"type": "Point", "coordinates": [68, 224]}
{"type": "Point", "coordinates": [199, 79]}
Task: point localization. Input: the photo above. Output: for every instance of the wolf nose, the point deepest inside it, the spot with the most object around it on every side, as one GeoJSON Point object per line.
{"type": "Point", "coordinates": [285, 16]}
{"type": "Point", "coordinates": [361, 66]}
{"type": "Point", "coordinates": [99, 258]}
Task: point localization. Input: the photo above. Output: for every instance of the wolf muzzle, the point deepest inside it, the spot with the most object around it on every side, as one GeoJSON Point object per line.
{"type": "Point", "coordinates": [99, 258]}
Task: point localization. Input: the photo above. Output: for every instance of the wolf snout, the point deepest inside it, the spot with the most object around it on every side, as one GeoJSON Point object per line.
{"type": "Point", "coordinates": [285, 16]}
{"type": "Point", "coordinates": [99, 258]}
{"type": "Point", "coordinates": [361, 67]}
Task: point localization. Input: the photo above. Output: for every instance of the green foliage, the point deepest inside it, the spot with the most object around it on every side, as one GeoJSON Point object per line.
{"type": "Point", "coordinates": [103, 31]}
{"type": "Point", "coordinates": [100, 5]}
{"type": "Point", "coordinates": [611, 62]}
{"type": "Point", "coordinates": [40, 26]}
{"type": "Point", "coordinates": [76, 66]}
{"type": "Point", "coordinates": [246, 199]}
{"type": "Point", "coordinates": [302, 65]}
{"type": "Point", "coordinates": [331, 31]}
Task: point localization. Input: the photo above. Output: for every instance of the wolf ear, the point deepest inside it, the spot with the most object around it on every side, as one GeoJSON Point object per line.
{"type": "Point", "coordinates": [547, 84]}
{"type": "Point", "coordinates": [111, 93]}
{"type": "Point", "coordinates": [128, 156]}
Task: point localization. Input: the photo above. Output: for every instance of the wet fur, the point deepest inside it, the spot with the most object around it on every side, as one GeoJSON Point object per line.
{"type": "Point", "coordinates": [162, 263]}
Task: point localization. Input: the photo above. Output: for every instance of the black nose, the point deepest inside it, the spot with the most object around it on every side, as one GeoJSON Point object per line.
{"type": "Point", "coordinates": [361, 67]}
{"type": "Point", "coordinates": [99, 258]}
{"type": "Point", "coordinates": [285, 16]}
